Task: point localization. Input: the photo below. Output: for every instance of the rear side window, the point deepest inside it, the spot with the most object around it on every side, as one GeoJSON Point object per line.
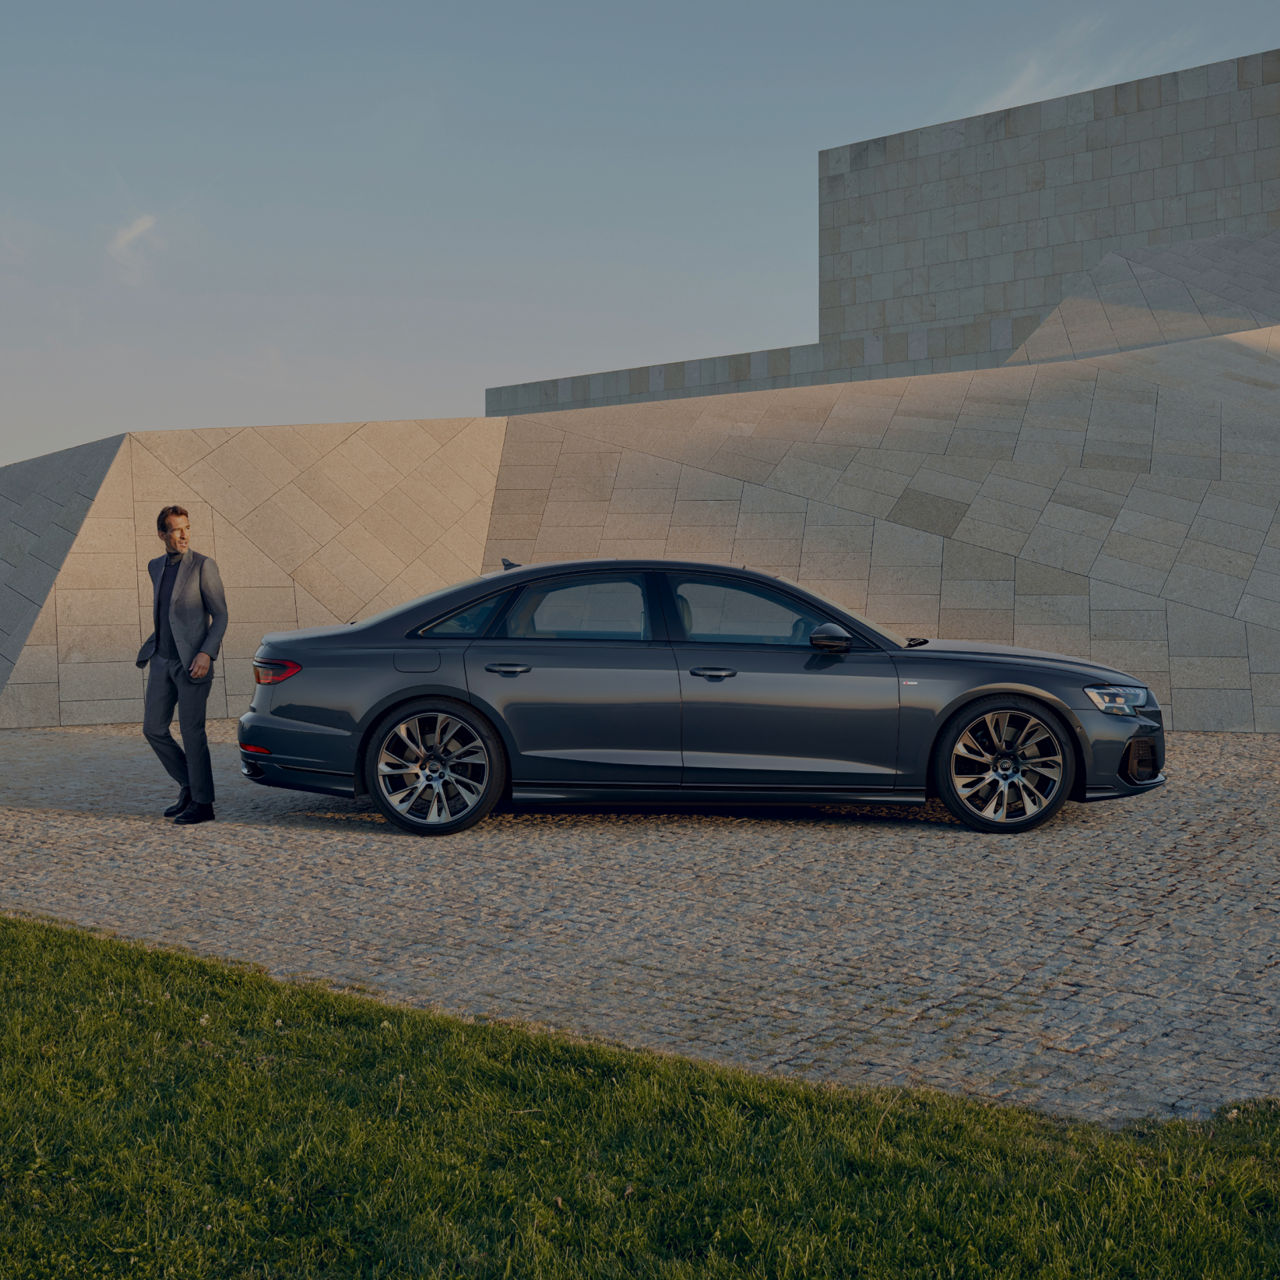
{"type": "Point", "coordinates": [610, 608]}
{"type": "Point", "coordinates": [469, 621]}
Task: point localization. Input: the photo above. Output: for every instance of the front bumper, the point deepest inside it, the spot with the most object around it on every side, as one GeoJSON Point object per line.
{"type": "Point", "coordinates": [1124, 755]}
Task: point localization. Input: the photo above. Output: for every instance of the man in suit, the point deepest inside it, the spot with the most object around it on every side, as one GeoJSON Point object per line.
{"type": "Point", "coordinates": [190, 614]}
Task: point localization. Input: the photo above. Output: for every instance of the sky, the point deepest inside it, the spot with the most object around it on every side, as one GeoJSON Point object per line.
{"type": "Point", "coordinates": [299, 211]}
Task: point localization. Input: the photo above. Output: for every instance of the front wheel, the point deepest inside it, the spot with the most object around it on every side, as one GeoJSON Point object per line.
{"type": "Point", "coordinates": [434, 767]}
{"type": "Point", "coordinates": [1004, 764]}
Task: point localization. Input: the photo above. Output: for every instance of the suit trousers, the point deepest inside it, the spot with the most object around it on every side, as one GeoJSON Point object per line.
{"type": "Point", "coordinates": [168, 685]}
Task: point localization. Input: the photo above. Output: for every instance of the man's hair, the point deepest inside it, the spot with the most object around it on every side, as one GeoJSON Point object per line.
{"type": "Point", "coordinates": [162, 520]}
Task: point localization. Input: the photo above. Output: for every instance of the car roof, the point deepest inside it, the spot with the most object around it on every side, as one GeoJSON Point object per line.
{"type": "Point", "coordinates": [517, 572]}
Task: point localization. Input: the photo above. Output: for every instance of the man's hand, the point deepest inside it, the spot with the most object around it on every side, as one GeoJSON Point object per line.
{"type": "Point", "coordinates": [200, 666]}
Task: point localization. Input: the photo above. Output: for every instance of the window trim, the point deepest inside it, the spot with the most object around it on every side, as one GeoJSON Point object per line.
{"type": "Point", "coordinates": [675, 627]}
{"type": "Point", "coordinates": [652, 601]}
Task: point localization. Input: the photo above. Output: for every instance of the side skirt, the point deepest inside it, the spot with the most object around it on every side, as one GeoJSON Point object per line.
{"type": "Point", "coordinates": [559, 793]}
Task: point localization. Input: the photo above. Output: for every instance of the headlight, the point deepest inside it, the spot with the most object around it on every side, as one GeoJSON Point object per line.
{"type": "Point", "coordinates": [1118, 699]}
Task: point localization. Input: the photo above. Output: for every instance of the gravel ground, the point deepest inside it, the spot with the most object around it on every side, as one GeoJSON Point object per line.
{"type": "Point", "coordinates": [1123, 961]}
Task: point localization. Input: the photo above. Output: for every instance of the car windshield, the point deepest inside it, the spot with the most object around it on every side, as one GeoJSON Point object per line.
{"type": "Point", "coordinates": [879, 628]}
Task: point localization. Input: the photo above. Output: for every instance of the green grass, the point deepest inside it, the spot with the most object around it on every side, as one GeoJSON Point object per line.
{"type": "Point", "coordinates": [164, 1116]}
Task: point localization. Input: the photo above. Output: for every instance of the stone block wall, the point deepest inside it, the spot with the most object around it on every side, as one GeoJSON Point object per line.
{"type": "Point", "coordinates": [943, 247]}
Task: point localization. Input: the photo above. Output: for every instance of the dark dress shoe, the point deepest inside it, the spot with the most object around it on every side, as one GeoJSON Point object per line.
{"type": "Point", "coordinates": [194, 813]}
{"type": "Point", "coordinates": [183, 802]}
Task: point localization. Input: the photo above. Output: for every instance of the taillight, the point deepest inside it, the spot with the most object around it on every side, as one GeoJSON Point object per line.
{"type": "Point", "coordinates": [273, 670]}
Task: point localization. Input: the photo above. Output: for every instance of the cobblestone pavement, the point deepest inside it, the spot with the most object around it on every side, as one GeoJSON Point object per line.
{"type": "Point", "coordinates": [1123, 961]}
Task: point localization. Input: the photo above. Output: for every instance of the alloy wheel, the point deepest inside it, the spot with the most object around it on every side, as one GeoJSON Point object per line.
{"type": "Point", "coordinates": [1007, 767]}
{"type": "Point", "coordinates": [433, 769]}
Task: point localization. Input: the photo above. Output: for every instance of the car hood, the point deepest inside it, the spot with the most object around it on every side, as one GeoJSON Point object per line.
{"type": "Point", "coordinates": [1032, 657]}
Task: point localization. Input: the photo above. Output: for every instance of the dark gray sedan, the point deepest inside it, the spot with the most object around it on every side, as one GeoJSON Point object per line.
{"type": "Point", "coordinates": [630, 680]}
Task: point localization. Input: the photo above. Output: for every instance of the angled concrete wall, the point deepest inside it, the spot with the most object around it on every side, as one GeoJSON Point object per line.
{"type": "Point", "coordinates": [943, 248]}
{"type": "Point", "coordinates": [310, 525]}
{"type": "Point", "coordinates": [43, 504]}
{"type": "Point", "coordinates": [1146, 298]}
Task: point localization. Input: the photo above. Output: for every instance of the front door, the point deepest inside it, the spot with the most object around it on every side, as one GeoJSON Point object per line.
{"type": "Point", "coordinates": [762, 707]}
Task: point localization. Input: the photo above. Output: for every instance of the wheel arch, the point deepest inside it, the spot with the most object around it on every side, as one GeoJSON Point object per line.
{"type": "Point", "coordinates": [971, 697]}
{"type": "Point", "coordinates": [407, 698]}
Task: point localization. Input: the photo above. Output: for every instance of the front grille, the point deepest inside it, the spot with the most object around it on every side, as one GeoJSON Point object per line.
{"type": "Point", "coordinates": [1140, 763]}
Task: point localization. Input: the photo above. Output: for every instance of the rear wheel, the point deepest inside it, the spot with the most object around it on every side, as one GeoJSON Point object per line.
{"type": "Point", "coordinates": [434, 767]}
{"type": "Point", "coordinates": [1004, 764]}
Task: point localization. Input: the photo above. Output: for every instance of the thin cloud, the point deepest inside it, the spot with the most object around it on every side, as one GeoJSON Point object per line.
{"type": "Point", "coordinates": [125, 248]}
{"type": "Point", "coordinates": [126, 237]}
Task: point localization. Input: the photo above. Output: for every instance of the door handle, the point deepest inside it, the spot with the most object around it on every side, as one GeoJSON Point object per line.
{"type": "Point", "coordinates": [713, 673]}
{"type": "Point", "coordinates": [508, 668]}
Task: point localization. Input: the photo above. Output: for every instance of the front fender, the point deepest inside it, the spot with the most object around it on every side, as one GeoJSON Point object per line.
{"type": "Point", "coordinates": [925, 712]}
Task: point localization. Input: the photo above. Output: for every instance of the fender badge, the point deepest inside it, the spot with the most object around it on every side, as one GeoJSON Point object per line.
{"type": "Point", "coordinates": [911, 682]}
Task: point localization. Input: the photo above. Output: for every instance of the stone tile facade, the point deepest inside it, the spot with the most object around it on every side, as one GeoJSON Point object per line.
{"type": "Point", "coordinates": [944, 248]}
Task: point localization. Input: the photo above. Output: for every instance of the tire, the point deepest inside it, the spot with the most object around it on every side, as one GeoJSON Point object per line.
{"type": "Point", "coordinates": [434, 767]}
{"type": "Point", "coordinates": [1004, 764]}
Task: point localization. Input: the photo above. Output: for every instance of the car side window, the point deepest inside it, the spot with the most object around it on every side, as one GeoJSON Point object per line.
{"type": "Point", "coordinates": [611, 608]}
{"type": "Point", "coordinates": [469, 621]}
{"type": "Point", "coordinates": [736, 613]}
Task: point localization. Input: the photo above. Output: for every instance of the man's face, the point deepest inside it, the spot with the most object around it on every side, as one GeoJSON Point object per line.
{"type": "Point", "coordinates": [178, 535]}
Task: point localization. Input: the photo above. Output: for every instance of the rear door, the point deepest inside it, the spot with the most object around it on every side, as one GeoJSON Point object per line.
{"type": "Point", "coordinates": [580, 674]}
{"type": "Point", "coordinates": [762, 707]}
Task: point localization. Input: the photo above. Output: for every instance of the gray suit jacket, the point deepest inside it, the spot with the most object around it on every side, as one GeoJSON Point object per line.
{"type": "Point", "coordinates": [197, 611]}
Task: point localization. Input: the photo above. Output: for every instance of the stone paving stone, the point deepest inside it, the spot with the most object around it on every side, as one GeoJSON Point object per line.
{"type": "Point", "coordinates": [1117, 963]}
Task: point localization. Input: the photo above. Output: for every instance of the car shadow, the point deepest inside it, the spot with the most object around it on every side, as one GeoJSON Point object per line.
{"type": "Point", "coordinates": [297, 810]}
{"type": "Point", "coordinates": [932, 814]}
{"type": "Point", "coordinates": [117, 779]}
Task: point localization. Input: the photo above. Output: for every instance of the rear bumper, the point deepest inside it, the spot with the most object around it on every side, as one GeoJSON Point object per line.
{"type": "Point", "coordinates": [300, 757]}
{"type": "Point", "coordinates": [268, 774]}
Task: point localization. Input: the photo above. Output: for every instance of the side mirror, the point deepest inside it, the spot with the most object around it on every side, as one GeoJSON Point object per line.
{"type": "Point", "coordinates": [831, 637]}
